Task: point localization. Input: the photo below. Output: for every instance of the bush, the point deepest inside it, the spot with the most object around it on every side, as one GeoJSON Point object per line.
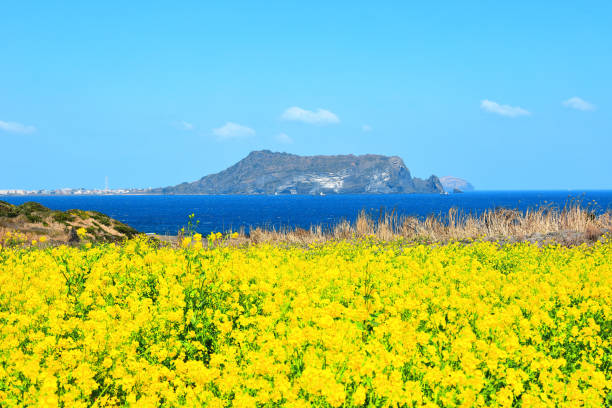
{"type": "Point", "coordinates": [125, 229]}
{"type": "Point", "coordinates": [34, 218]}
{"type": "Point", "coordinates": [101, 218]}
{"type": "Point", "coordinates": [32, 207]}
{"type": "Point", "coordinates": [8, 210]}
{"type": "Point", "coordinates": [63, 217]}
{"type": "Point", "coordinates": [78, 213]}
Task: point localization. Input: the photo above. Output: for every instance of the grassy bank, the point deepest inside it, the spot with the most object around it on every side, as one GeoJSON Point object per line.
{"type": "Point", "coordinates": [31, 221]}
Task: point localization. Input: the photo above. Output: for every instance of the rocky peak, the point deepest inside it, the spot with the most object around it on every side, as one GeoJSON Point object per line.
{"type": "Point", "coordinates": [267, 172]}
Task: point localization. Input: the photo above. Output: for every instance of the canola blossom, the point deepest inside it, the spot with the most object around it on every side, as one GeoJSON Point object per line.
{"type": "Point", "coordinates": [341, 324]}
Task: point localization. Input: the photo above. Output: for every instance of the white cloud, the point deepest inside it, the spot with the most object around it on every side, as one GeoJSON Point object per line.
{"type": "Point", "coordinates": [185, 125]}
{"type": "Point", "coordinates": [578, 103]}
{"type": "Point", "coordinates": [233, 130]}
{"type": "Point", "coordinates": [504, 110]}
{"type": "Point", "coordinates": [284, 138]}
{"type": "Point", "coordinates": [318, 117]}
{"type": "Point", "coordinates": [366, 128]}
{"type": "Point", "coordinates": [14, 127]}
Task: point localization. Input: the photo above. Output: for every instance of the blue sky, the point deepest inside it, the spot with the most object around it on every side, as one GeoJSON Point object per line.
{"type": "Point", "coordinates": [509, 95]}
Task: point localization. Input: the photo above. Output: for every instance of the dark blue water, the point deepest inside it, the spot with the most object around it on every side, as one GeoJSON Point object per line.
{"type": "Point", "coordinates": [167, 214]}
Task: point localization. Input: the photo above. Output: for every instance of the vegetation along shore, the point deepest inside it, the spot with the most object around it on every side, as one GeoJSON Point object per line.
{"type": "Point", "coordinates": [572, 224]}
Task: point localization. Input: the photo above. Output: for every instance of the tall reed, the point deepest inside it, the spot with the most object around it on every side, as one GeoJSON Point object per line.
{"type": "Point", "coordinates": [573, 222]}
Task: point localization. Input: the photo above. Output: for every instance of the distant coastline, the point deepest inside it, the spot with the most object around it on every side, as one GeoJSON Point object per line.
{"type": "Point", "coordinates": [72, 192]}
{"type": "Point", "coordinates": [140, 192]}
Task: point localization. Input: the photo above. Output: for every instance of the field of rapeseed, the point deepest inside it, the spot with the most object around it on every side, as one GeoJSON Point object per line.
{"type": "Point", "coordinates": [350, 323]}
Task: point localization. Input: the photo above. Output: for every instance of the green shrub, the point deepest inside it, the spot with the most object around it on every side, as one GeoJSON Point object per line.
{"type": "Point", "coordinates": [32, 207]}
{"type": "Point", "coordinates": [34, 218]}
{"type": "Point", "coordinates": [62, 217]}
{"type": "Point", "coordinates": [125, 229]}
{"type": "Point", "coordinates": [101, 218]}
{"type": "Point", "coordinates": [78, 213]}
{"type": "Point", "coordinates": [8, 210]}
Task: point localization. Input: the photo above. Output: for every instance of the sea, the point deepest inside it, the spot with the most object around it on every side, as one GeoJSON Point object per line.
{"type": "Point", "coordinates": [167, 214]}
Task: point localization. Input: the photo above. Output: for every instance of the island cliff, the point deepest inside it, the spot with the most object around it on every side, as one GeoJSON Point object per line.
{"type": "Point", "coordinates": [451, 184]}
{"type": "Point", "coordinates": [266, 172]}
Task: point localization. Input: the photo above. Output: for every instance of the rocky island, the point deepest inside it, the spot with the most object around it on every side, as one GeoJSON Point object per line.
{"type": "Point", "coordinates": [455, 184]}
{"type": "Point", "coordinates": [266, 172]}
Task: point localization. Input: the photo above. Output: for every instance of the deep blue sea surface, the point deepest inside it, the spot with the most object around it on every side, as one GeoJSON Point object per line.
{"type": "Point", "coordinates": [167, 214]}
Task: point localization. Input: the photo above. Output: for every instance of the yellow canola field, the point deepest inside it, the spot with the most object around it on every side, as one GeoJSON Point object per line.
{"type": "Point", "coordinates": [340, 324]}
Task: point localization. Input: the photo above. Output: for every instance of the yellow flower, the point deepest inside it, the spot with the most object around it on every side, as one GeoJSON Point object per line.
{"type": "Point", "coordinates": [107, 363]}
{"type": "Point", "coordinates": [185, 242]}
{"type": "Point", "coordinates": [359, 396]}
{"type": "Point", "coordinates": [340, 323]}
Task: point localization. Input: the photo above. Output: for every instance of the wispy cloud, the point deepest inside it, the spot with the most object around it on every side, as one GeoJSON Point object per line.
{"type": "Point", "coordinates": [284, 138]}
{"type": "Point", "coordinates": [366, 128]}
{"type": "Point", "coordinates": [233, 130]}
{"type": "Point", "coordinates": [14, 127]}
{"type": "Point", "coordinates": [504, 110]}
{"type": "Point", "coordinates": [579, 103]}
{"type": "Point", "coordinates": [183, 125]}
{"type": "Point", "coordinates": [318, 117]}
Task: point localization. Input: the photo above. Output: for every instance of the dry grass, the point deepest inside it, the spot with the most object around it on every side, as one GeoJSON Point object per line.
{"type": "Point", "coordinates": [570, 225]}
